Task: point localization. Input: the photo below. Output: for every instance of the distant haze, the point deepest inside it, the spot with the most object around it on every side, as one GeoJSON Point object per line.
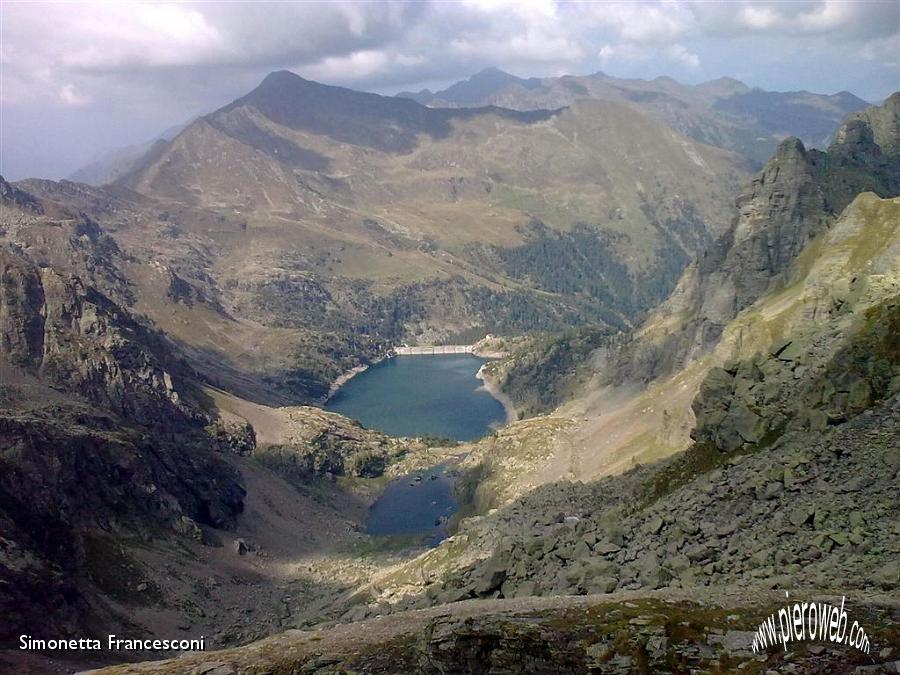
{"type": "Point", "coordinates": [80, 79]}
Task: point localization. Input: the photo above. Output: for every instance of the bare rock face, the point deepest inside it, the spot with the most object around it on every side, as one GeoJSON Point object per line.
{"type": "Point", "coordinates": [884, 121]}
{"type": "Point", "coordinates": [74, 337]}
{"type": "Point", "coordinates": [320, 443]}
{"type": "Point", "coordinates": [66, 318]}
{"type": "Point", "coordinates": [236, 437]}
{"type": "Point", "coordinates": [9, 194]}
{"type": "Point", "coordinates": [70, 475]}
{"type": "Point", "coordinates": [783, 209]}
{"type": "Point", "coordinates": [101, 421]}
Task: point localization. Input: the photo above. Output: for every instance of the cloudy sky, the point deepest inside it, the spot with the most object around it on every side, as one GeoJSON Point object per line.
{"type": "Point", "coordinates": [79, 78]}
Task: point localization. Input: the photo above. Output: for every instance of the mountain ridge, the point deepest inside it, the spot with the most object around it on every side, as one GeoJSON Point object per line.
{"type": "Point", "coordinates": [723, 112]}
{"type": "Point", "coordinates": [424, 217]}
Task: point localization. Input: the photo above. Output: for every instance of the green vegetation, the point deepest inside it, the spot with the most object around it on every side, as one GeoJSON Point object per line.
{"type": "Point", "coordinates": [320, 358]}
{"type": "Point", "coordinates": [875, 353]}
{"type": "Point", "coordinates": [584, 263]}
{"type": "Point", "coordinates": [545, 370]}
{"type": "Point", "coordinates": [326, 454]}
{"type": "Point", "coordinates": [438, 442]}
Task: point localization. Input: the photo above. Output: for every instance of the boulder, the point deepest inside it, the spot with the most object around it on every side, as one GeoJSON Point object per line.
{"type": "Point", "coordinates": [599, 585]}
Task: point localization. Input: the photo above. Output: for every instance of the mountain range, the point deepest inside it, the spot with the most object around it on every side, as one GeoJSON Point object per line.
{"type": "Point", "coordinates": [725, 112]}
{"type": "Point", "coordinates": [325, 211]}
{"type": "Point", "coordinates": [704, 361]}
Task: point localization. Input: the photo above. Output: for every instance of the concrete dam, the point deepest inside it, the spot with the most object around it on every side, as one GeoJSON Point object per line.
{"type": "Point", "coordinates": [429, 350]}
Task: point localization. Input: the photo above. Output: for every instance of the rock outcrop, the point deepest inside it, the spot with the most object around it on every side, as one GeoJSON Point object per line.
{"type": "Point", "coordinates": [621, 634]}
{"type": "Point", "coordinates": [71, 474]}
{"type": "Point", "coordinates": [796, 197]}
{"type": "Point", "coordinates": [793, 388]}
{"type": "Point", "coordinates": [101, 421]}
{"type": "Point", "coordinates": [319, 443]}
{"type": "Point", "coordinates": [70, 335]}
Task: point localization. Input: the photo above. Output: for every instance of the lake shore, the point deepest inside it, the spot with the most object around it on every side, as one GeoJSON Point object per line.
{"type": "Point", "coordinates": [348, 375]}
{"type": "Point", "coordinates": [494, 390]}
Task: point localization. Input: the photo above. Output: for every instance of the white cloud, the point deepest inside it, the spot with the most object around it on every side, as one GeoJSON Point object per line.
{"type": "Point", "coordinates": [630, 52]}
{"type": "Point", "coordinates": [680, 54]}
{"type": "Point", "coordinates": [841, 20]}
{"type": "Point", "coordinates": [641, 22]}
{"type": "Point", "coordinates": [758, 18]}
{"type": "Point", "coordinates": [885, 50]}
{"type": "Point", "coordinates": [622, 51]}
{"type": "Point", "coordinates": [69, 95]}
{"type": "Point", "coordinates": [513, 31]}
{"type": "Point", "coordinates": [358, 65]}
{"type": "Point", "coordinates": [90, 46]}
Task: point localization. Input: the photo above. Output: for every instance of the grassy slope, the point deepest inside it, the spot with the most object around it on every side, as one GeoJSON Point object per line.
{"type": "Point", "coordinates": [597, 163]}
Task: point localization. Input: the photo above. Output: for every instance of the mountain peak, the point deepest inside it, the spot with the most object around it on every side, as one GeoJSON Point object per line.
{"type": "Point", "coordinates": [791, 146]}
{"type": "Point", "coordinates": [876, 125]}
{"type": "Point", "coordinates": [10, 195]}
{"type": "Point", "coordinates": [476, 89]}
{"type": "Point", "coordinates": [384, 122]}
{"type": "Point", "coordinates": [280, 77]}
{"type": "Point", "coordinates": [492, 72]}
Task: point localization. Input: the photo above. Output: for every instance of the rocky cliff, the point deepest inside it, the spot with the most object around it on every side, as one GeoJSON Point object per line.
{"type": "Point", "coordinates": [101, 425]}
{"type": "Point", "coordinates": [796, 197]}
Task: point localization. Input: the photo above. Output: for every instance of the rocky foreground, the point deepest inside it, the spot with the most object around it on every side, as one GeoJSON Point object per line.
{"type": "Point", "coordinates": [620, 633]}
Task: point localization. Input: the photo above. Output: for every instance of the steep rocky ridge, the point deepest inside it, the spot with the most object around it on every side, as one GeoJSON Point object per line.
{"type": "Point", "coordinates": [59, 326]}
{"type": "Point", "coordinates": [795, 198]}
{"type": "Point", "coordinates": [101, 419]}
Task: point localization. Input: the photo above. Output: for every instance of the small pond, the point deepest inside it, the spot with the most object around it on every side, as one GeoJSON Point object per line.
{"type": "Point", "coordinates": [418, 503]}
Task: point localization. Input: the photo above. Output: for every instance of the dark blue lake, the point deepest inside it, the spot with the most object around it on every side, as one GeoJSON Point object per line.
{"type": "Point", "coordinates": [421, 396]}
{"type": "Point", "coordinates": [419, 503]}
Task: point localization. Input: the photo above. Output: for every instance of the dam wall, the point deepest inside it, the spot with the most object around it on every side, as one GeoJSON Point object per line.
{"type": "Point", "coordinates": [429, 350]}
